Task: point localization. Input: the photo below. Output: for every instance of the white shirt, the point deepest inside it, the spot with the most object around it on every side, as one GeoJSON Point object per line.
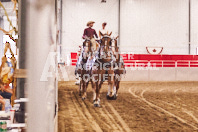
{"type": "Point", "coordinates": [103, 31]}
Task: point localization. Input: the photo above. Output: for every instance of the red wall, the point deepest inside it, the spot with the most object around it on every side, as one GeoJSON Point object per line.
{"type": "Point", "coordinates": [145, 60]}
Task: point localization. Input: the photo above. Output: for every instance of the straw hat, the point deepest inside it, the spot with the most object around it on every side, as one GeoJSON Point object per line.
{"type": "Point", "coordinates": [90, 22]}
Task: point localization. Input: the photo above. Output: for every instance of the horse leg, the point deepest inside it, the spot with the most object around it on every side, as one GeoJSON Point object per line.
{"type": "Point", "coordinates": [84, 90]}
{"type": "Point", "coordinates": [118, 79]}
{"type": "Point", "coordinates": [98, 87]}
{"type": "Point", "coordinates": [94, 90]}
{"type": "Point", "coordinates": [85, 81]}
{"type": "Point", "coordinates": [96, 102]}
{"type": "Point", "coordinates": [117, 87]}
{"type": "Point", "coordinates": [98, 93]}
{"type": "Point", "coordinates": [111, 91]}
{"type": "Point", "coordinates": [94, 82]}
{"type": "Point", "coordinates": [80, 87]}
{"type": "Point", "coordinates": [86, 85]}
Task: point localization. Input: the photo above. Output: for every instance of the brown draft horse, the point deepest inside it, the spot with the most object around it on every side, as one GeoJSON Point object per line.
{"type": "Point", "coordinates": [119, 67]}
{"type": "Point", "coordinates": [103, 69]}
{"type": "Point", "coordinates": [81, 68]}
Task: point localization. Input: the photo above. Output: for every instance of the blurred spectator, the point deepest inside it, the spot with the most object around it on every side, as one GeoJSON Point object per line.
{"type": "Point", "coordinates": [5, 90]}
{"type": "Point", "coordinates": [2, 103]}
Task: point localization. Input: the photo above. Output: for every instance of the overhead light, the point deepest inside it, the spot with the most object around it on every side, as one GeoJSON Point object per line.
{"type": "Point", "coordinates": [103, 1]}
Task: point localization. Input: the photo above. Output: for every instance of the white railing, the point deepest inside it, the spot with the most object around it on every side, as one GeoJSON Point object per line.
{"type": "Point", "coordinates": [162, 63]}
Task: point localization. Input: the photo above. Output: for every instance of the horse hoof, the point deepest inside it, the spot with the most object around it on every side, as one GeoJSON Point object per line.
{"type": "Point", "coordinates": [83, 98]}
{"type": "Point", "coordinates": [108, 97]}
{"type": "Point", "coordinates": [114, 97]}
{"type": "Point", "coordinates": [96, 105]}
{"type": "Point", "coordinates": [77, 83]}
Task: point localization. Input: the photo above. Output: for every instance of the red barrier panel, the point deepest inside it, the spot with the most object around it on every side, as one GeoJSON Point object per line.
{"type": "Point", "coordinates": [74, 55]}
{"type": "Point", "coordinates": [146, 60]}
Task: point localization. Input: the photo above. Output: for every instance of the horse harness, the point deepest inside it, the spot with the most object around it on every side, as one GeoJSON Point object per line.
{"type": "Point", "coordinates": [112, 60]}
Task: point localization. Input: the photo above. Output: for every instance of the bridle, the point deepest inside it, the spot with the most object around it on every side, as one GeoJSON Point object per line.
{"type": "Point", "coordinates": [86, 46]}
{"type": "Point", "coordinates": [102, 46]}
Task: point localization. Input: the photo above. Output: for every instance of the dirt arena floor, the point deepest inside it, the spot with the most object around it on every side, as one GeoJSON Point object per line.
{"type": "Point", "coordinates": [140, 107]}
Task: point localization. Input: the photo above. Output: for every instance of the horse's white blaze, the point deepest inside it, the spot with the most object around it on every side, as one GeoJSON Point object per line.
{"type": "Point", "coordinates": [102, 52]}
{"type": "Point", "coordinates": [86, 48]}
{"type": "Point", "coordinates": [105, 44]}
{"type": "Point", "coordinates": [113, 43]}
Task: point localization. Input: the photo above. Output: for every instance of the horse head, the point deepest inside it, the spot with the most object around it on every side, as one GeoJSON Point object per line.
{"type": "Point", "coordinates": [105, 42]}
{"type": "Point", "coordinates": [105, 48]}
{"type": "Point", "coordinates": [86, 50]}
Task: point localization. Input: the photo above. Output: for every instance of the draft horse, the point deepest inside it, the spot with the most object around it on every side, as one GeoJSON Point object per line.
{"type": "Point", "coordinates": [82, 68]}
{"type": "Point", "coordinates": [119, 68]}
{"type": "Point", "coordinates": [103, 69]}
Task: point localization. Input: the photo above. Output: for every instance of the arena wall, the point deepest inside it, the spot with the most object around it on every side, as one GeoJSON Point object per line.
{"type": "Point", "coordinates": [194, 26]}
{"type": "Point", "coordinates": [143, 23]}
{"type": "Point", "coordinates": [76, 14]}
{"type": "Point", "coordinates": [153, 23]}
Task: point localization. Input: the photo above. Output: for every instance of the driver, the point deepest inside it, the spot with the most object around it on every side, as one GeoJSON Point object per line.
{"type": "Point", "coordinates": [90, 33]}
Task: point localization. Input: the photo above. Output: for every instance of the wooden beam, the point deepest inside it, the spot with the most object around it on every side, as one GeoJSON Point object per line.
{"type": "Point", "coordinates": [20, 73]}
